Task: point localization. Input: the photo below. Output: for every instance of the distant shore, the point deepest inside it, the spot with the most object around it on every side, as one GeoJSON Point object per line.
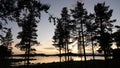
{"type": "Point", "coordinates": [68, 54]}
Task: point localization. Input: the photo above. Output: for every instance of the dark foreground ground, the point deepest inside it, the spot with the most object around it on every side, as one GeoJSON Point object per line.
{"type": "Point", "coordinates": [71, 64]}
{"type": "Point", "coordinates": [78, 64]}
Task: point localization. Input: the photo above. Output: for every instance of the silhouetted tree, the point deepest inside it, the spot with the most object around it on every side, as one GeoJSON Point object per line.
{"type": "Point", "coordinates": [67, 27]}
{"type": "Point", "coordinates": [7, 9]}
{"type": "Point", "coordinates": [27, 17]}
{"type": "Point", "coordinates": [91, 27]}
{"type": "Point", "coordinates": [5, 47]}
{"type": "Point", "coordinates": [58, 37]}
{"type": "Point", "coordinates": [104, 22]}
{"type": "Point", "coordinates": [62, 32]}
{"type": "Point", "coordinates": [116, 36]}
{"type": "Point", "coordinates": [6, 41]}
{"type": "Point", "coordinates": [79, 15]}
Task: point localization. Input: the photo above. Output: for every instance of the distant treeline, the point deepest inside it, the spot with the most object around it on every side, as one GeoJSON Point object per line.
{"type": "Point", "coordinates": [63, 54]}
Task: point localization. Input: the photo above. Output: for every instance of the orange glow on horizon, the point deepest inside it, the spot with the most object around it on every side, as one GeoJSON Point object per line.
{"type": "Point", "coordinates": [46, 47]}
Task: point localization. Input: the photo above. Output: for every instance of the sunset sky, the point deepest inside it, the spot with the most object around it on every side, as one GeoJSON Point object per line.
{"type": "Point", "coordinates": [46, 29]}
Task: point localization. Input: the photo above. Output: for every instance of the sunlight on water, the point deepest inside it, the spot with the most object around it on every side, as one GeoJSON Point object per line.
{"type": "Point", "coordinates": [45, 59]}
{"type": "Point", "coordinates": [56, 59]}
{"type": "Point", "coordinates": [52, 59]}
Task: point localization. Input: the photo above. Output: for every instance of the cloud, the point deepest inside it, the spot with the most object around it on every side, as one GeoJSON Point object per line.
{"type": "Point", "coordinates": [49, 48]}
{"type": "Point", "coordinates": [46, 47]}
{"type": "Point", "coordinates": [48, 42]}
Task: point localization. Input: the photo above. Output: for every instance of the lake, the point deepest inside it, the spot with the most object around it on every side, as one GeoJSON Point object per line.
{"type": "Point", "coordinates": [56, 59]}
{"type": "Point", "coordinates": [50, 59]}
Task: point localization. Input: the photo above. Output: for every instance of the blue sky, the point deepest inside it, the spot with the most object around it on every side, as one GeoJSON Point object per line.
{"type": "Point", "coordinates": [46, 29]}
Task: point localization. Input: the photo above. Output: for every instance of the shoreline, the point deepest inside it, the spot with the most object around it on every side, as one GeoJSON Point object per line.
{"type": "Point", "coordinates": [77, 64]}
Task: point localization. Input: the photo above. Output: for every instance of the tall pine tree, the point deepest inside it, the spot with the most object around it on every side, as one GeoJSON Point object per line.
{"type": "Point", "coordinates": [27, 17]}
{"type": "Point", "coordinates": [79, 15]}
{"type": "Point", "coordinates": [104, 30]}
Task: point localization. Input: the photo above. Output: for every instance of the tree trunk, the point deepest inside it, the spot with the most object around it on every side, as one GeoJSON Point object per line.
{"type": "Point", "coordinates": [104, 49]}
{"type": "Point", "coordinates": [28, 55]}
{"type": "Point", "coordinates": [92, 48]}
{"type": "Point", "coordinates": [83, 42]}
{"type": "Point", "coordinates": [25, 57]}
{"type": "Point", "coordinates": [67, 51]}
{"type": "Point", "coordinates": [60, 53]}
{"type": "Point", "coordinates": [79, 44]}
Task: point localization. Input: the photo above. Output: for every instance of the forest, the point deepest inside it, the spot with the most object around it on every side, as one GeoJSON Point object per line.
{"type": "Point", "coordinates": [95, 29]}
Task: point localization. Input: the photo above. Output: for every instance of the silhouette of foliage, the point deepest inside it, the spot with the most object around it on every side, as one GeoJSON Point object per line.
{"type": "Point", "coordinates": [4, 52]}
{"type": "Point", "coordinates": [90, 30]}
{"type": "Point", "coordinates": [5, 47]}
{"type": "Point", "coordinates": [116, 36]}
{"type": "Point", "coordinates": [79, 15]}
{"type": "Point", "coordinates": [27, 17]}
{"type": "Point", "coordinates": [58, 36]}
{"type": "Point", "coordinates": [7, 9]}
{"type": "Point", "coordinates": [116, 54]}
{"type": "Point", "coordinates": [62, 32]}
{"type": "Point", "coordinates": [6, 43]}
{"type": "Point", "coordinates": [104, 22]}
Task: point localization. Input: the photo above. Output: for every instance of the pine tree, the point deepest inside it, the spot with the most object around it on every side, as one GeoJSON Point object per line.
{"type": "Point", "coordinates": [27, 18]}
{"type": "Point", "coordinates": [62, 31]}
{"type": "Point", "coordinates": [116, 36]}
{"type": "Point", "coordinates": [58, 37]}
{"type": "Point", "coordinates": [5, 47]}
{"type": "Point", "coordinates": [7, 9]}
{"type": "Point", "coordinates": [104, 22]}
{"type": "Point", "coordinates": [79, 15]}
{"type": "Point", "coordinates": [91, 27]}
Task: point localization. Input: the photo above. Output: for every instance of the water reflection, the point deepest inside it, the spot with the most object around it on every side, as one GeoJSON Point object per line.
{"type": "Point", "coordinates": [50, 59]}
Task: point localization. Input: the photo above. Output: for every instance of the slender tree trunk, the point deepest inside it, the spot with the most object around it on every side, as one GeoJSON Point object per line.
{"type": "Point", "coordinates": [81, 52]}
{"type": "Point", "coordinates": [79, 44]}
{"type": "Point", "coordinates": [60, 56]}
{"type": "Point", "coordinates": [68, 51]}
{"type": "Point", "coordinates": [65, 53]}
{"type": "Point", "coordinates": [105, 54]}
{"type": "Point", "coordinates": [104, 49]}
{"type": "Point", "coordinates": [101, 34]}
{"type": "Point", "coordinates": [93, 53]}
{"type": "Point", "coordinates": [28, 55]}
{"type": "Point", "coordinates": [92, 48]}
{"type": "Point", "coordinates": [25, 57]}
{"type": "Point", "coordinates": [83, 42]}
{"type": "Point", "coordinates": [60, 53]}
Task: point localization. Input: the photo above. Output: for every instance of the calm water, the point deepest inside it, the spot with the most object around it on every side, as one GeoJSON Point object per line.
{"type": "Point", "coordinates": [56, 59]}
{"type": "Point", "coordinates": [51, 59]}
